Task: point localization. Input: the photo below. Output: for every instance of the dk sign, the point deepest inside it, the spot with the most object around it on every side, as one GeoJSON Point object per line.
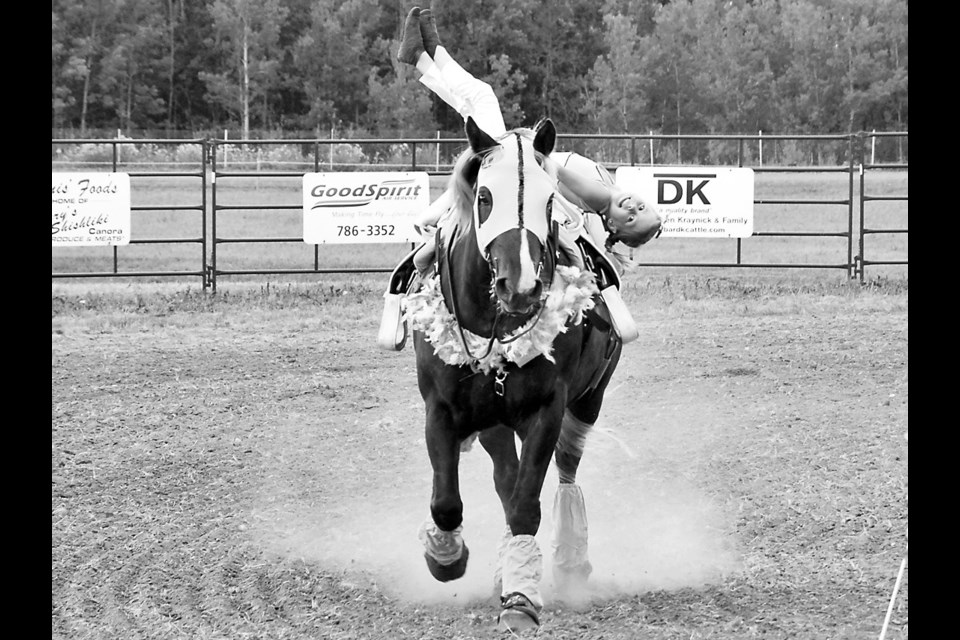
{"type": "Point", "coordinates": [696, 202]}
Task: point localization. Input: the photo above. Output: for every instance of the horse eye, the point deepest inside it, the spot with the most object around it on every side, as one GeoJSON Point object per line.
{"type": "Point", "coordinates": [484, 204]}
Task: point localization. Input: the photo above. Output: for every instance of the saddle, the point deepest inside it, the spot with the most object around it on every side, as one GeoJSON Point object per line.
{"type": "Point", "coordinates": [610, 309]}
{"type": "Point", "coordinates": [405, 278]}
{"type": "Point", "coordinates": [596, 261]}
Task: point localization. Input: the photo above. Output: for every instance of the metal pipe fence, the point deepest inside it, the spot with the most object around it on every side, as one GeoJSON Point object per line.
{"type": "Point", "coordinates": [228, 167]}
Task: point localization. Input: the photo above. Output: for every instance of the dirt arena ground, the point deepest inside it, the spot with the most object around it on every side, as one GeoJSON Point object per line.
{"type": "Point", "coordinates": [250, 465]}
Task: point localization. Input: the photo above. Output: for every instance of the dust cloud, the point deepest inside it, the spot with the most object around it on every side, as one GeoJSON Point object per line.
{"type": "Point", "coordinates": [650, 528]}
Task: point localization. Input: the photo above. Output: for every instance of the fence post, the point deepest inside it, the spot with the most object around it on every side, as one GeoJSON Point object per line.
{"type": "Point", "coordinates": [651, 147]}
{"type": "Point", "coordinates": [854, 156]}
{"type": "Point", "coordinates": [437, 166]}
{"type": "Point", "coordinates": [213, 210]}
{"type": "Point", "coordinates": [761, 147]}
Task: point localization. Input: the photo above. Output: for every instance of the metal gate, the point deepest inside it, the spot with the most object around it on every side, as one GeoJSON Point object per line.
{"type": "Point", "coordinates": [120, 157]}
{"type": "Point", "coordinates": [868, 164]}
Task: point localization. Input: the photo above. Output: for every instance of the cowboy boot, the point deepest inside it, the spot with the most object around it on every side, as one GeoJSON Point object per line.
{"type": "Point", "coordinates": [412, 44]}
{"type": "Point", "coordinates": [428, 32]}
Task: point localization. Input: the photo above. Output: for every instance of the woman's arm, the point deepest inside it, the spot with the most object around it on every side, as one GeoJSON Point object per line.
{"type": "Point", "coordinates": [588, 194]}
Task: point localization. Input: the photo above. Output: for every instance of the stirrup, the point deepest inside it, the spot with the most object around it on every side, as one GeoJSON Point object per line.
{"type": "Point", "coordinates": [620, 317]}
{"type": "Point", "coordinates": [393, 329]}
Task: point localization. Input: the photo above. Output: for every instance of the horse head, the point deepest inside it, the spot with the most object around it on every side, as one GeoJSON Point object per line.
{"type": "Point", "coordinates": [512, 219]}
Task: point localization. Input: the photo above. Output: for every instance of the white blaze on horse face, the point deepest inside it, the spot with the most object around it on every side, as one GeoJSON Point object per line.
{"type": "Point", "coordinates": [528, 272]}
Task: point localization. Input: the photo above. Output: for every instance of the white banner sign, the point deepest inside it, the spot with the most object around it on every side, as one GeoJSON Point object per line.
{"type": "Point", "coordinates": [360, 206]}
{"type": "Point", "coordinates": [91, 209]}
{"type": "Point", "coordinates": [697, 202]}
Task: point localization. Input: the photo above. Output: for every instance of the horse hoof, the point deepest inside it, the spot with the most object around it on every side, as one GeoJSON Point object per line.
{"type": "Point", "coordinates": [448, 572]}
{"type": "Point", "coordinates": [518, 614]}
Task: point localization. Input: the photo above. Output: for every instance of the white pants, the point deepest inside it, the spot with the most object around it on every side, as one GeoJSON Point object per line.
{"type": "Point", "coordinates": [465, 93]}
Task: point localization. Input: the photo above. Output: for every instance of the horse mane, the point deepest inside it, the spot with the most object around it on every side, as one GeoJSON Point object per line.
{"type": "Point", "coordinates": [464, 176]}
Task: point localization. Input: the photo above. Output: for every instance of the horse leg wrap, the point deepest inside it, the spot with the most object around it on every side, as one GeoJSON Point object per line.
{"type": "Point", "coordinates": [569, 544]}
{"type": "Point", "coordinates": [498, 572]}
{"type": "Point", "coordinates": [445, 552]}
{"type": "Point", "coordinates": [522, 569]}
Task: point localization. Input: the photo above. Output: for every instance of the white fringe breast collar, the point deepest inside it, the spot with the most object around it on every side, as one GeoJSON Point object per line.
{"type": "Point", "coordinates": [570, 295]}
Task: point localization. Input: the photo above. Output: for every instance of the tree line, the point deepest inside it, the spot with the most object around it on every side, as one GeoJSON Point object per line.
{"type": "Point", "coordinates": [165, 67]}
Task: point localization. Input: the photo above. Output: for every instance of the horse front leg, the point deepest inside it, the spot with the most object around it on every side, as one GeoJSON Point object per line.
{"type": "Point", "coordinates": [444, 549]}
{"type": "Point", "coordinates": [522, 560]}
{"type": "Point", "coordinates": [500, 443]}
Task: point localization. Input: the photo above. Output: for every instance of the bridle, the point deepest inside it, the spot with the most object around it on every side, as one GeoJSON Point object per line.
{"type": "Point", "coordinates": [444, 265]}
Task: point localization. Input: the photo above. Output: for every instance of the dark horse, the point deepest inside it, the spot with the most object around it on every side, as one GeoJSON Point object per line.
{"type": "Point", "coordinates": [496, 269]}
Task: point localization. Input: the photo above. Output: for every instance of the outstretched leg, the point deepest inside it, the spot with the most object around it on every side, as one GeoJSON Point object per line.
{"type": "Point", "coordinates": [420, 46]}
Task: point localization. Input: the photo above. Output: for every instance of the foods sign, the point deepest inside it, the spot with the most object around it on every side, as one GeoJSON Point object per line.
{"type": "Point", "coordinates": [360, 206]}
{"type": "Point", "coordinates": [696, 202]}
{"type": "Point", "coordinates": [91, 209]}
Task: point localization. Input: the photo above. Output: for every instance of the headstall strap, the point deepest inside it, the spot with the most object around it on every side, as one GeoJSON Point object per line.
{"type": "Point", "coordinates": [453, 307]}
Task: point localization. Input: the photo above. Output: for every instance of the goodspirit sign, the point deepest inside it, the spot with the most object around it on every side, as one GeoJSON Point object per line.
{"type": "Point", "coordinates": [91, 209]}
{"type": "Point", "coordinates": [697, 202]}
{"type": "Point", "coordinates": [360, 206]}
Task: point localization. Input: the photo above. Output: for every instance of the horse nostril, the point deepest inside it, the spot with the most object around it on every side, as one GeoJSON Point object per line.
{"type": "Point", "coordinates": [516, 301]}
{"type": "Point", "coordinates": [537, 289]}
{"type": "Point", "coordinates": [500, 288]}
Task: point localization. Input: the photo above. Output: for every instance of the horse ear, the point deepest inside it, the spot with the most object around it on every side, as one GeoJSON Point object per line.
{"type": "Point", "coordinates": [546, 137]}
{"type": "Point", "coordinates": [479, 139]}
